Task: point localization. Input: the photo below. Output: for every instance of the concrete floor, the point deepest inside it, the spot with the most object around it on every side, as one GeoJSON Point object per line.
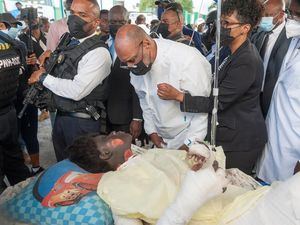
{"type": "Point", "coordinates": [47, 156]}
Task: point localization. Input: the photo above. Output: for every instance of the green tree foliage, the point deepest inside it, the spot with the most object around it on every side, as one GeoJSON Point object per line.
{"type": "Point", "coordinates": [147, 5]}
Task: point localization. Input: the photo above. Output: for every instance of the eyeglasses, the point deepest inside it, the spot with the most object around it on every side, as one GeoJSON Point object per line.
{"type": "Point", "coordinates": [226, 24]}
{"type": "Point", "coordinates": [123, 65]}
{"type": "Point", "coordinates": [133, 60]}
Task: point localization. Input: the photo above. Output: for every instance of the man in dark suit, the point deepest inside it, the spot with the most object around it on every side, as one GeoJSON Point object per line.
{"type": "Point", "coordinates": [272, 44]}
{"type": "Point", "coordinates": [123, 108]}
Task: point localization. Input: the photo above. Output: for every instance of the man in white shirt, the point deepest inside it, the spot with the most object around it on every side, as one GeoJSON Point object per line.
{"type": "Point", "coordinates": [154, 62]}
{"type": "Point", "coordinates": [78, 84]}
{"type": "Point", "coordinates": [283, 120]}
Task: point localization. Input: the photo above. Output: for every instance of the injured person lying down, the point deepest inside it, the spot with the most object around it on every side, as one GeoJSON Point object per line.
{"type": "Point", "coordinates": [107, 181]}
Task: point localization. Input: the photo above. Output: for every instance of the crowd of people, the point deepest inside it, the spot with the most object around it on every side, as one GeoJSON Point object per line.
{"type": "Point", "coordinates": [154, 81]}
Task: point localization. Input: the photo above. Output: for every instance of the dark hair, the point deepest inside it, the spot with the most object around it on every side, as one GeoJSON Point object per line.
{"type": "Point", "coordinates": [248, 11]}
{"type": "Point", "coordinates": [43, 21]}
{"type": "Point", "coordinates": [103, 11]}
{"type": "Point", "coordinates": [140, 19]}
{"type": "Point", "coordinates": [211, 17]}
{"type": "Point", "coordinates": [68, 4]}
{"type": "Point", "coordinates": [84, 153]}
{"type": "Point", "coordinates": [174, 6]}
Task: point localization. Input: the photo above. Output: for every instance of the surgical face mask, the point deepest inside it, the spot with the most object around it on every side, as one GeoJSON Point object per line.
{"type": "Point", "coordinates": [292, 28]}
{"type": "Point", "coordinates": [75, 25]}
{"type": "Point", "coordinates": [266, 23]}
{"type": "Point", "coordinates": [225, 37]}
{"type": "Point", "coordinates": [113, 29]}
{"type": "Point", "coordinates": [163, 29]}
{"type": "Point", "coordinates": [141, 69]}
{"type": "Point", "coordinates": [13, 32]}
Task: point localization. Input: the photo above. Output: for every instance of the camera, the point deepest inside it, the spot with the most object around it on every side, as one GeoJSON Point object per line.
{"type": "Point", "coordinates": [29, 14]}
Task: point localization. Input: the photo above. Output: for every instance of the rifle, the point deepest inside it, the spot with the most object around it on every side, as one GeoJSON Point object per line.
{"type": "Point", "coordinates": [32, 95]}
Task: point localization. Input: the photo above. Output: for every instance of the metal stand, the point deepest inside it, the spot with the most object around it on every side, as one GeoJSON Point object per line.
{"type": "Point", "coordinates": [214, 118]}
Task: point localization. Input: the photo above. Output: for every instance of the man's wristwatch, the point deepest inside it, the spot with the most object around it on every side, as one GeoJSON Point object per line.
{"type": "Point", "coordinates": [42, 78]}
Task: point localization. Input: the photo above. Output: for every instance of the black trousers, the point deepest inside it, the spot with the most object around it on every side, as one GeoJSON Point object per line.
{"type": "Point", "coordinates": [118, 127]}
{"type": "Point", "coordinates": [11, 157]}
{"type": "Point", "coordinates": [244, 161]}
{"type": "Point", "coordinates": [66, 129]}
{"type": "Point", "coordinates": [28, 128]}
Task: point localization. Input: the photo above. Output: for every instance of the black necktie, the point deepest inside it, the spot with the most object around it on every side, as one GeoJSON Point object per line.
{"type": "Point", "coordinates": [264, 45]}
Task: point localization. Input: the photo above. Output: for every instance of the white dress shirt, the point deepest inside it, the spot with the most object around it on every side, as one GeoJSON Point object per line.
{"type": "Point", "coordinates": [186, 69]}
{"type": "Point", "coordinates": [271, 42]}
{"type": "Point", "coordinates": [111, 46]}
{"type": "Point", "coordinates": [93, 68]}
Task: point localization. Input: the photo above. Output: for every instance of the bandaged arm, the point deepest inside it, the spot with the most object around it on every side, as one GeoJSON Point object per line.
{"type": "Point", "coordinates": [197, 188]}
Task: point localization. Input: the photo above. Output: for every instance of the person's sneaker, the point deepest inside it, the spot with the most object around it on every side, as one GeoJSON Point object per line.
{"type": "Point", "coordinates": [36, 170]}
{"type": "Point", "coordinates": [43, 116]}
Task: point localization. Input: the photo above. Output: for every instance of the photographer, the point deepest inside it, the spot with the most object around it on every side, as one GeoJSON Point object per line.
{"type": "Point", "coordinates": [35, 42]}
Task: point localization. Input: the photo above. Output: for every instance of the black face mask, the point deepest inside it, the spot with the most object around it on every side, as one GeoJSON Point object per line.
{"type": "Point", "coordinates": [163, 30]}
{"type": "Point", "coordinates": [113, 29]}
{"type": "Point", "coordinates": [225, 37]}
{"type": "Point", "coordinates": [141, 69]}
{"type": "Point", "coordinates": [75, 25]}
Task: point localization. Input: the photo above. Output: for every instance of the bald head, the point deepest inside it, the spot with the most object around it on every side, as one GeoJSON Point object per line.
{"type": "Point", "coordinates": [133, 45]}
{"type": "Point", "coordinates": [128, 38]}
{"type": "Point", "coordinates": [275, 9]}
{"type": "Point", "coordinates": [274, 5]}
{"type": "Point", "coordinates": [119, 12]}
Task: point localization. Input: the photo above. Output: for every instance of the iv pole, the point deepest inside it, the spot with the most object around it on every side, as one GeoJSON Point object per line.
{"type": "Point", "coordinates": [214, 118]}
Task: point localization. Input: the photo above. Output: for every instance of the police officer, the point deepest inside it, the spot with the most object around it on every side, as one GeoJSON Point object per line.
{"type": "Point", "coordinates": [78, 80]}
{"type": "Point", "coordinates": [11, 158]}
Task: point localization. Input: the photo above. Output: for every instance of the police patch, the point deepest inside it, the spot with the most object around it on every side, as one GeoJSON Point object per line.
{"type": "Point", "coordinates": [10, 62]}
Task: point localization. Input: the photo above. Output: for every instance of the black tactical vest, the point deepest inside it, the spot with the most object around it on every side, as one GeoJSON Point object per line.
{"type": "Point", "coordinates": [67, 69]}
{"type": "Point", "coordinates": [10, 63]}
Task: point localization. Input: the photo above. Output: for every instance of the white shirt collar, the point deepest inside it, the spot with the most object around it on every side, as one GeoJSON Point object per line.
{"type": "Point", "coordinates": [83, 39]}
{"type": "Point", "coordinates": [278, 29]}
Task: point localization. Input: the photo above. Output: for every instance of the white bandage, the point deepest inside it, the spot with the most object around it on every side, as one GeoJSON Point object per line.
{"type": "Point", "coordinates": [197, 188]}
{"type": "Point", "coordinates": [200, 150]}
